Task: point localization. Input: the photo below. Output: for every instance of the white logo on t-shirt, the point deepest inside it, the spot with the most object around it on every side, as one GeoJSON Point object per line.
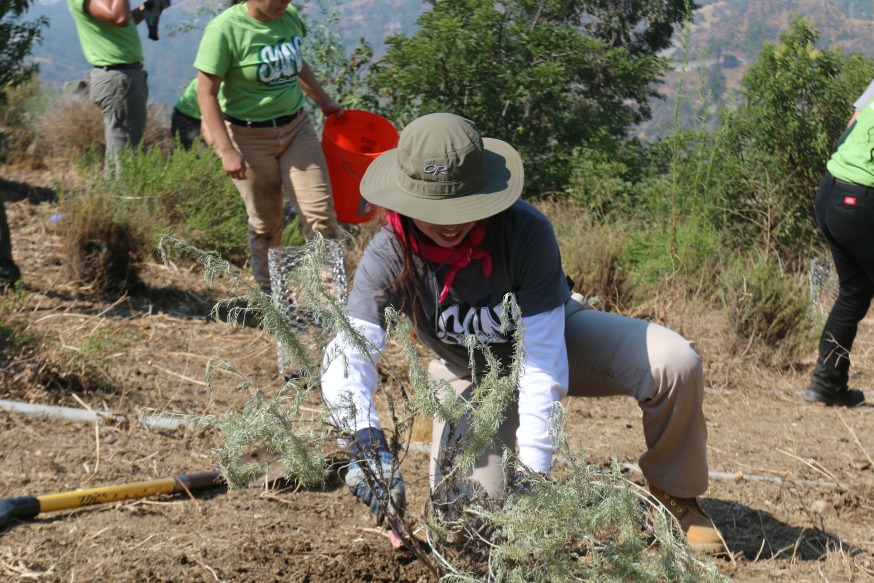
{"type": "Point", "coordinates": [280, 64]}
{"type": "Point", "coordinates": [482, 322]}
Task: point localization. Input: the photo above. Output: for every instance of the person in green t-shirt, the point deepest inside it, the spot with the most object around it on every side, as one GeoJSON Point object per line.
{"type": "Point", "coordinates": [845, 213]}
{"type": "Point", "coordinates": [265, 139]}
{"type": "Point", "coordinates": [117, 83]}
{"type": "Point", "coordinates": [186, 121]}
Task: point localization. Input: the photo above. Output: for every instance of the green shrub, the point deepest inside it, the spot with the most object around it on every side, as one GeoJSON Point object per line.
{"type": "Point", "coordinates": [687, 257]}
{"type": "Point", "coordinates": [188, 195]}
{"type": "Point", "coordinates": [599, 183]}
{"type": "Point", "coordinates": [768, 305]}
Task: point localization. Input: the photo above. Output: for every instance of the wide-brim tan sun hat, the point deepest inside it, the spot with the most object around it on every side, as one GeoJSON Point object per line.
{"type": "Point", "coordinates": [445, 173]}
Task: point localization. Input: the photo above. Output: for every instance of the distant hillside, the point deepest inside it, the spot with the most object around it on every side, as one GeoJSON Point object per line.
{"type": "Point", "coordinates": [729, 33]}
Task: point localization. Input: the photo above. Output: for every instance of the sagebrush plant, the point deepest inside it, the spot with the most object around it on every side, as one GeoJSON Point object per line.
{"type": "Point", "coordinates": [579, 523]}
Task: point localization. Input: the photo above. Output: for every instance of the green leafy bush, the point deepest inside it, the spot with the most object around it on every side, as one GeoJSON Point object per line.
{"type": "Point", "coordinates": [688, 258]}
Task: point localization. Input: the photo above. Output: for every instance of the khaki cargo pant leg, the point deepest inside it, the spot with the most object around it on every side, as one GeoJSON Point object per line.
{"type": "Point", "coordinates": [261, 192]}
{"type": "Point", "coordinates": [610, 355]}
{"type": "Point", "coordinates": [304, 174]}
{"type": "Point", "coordinates": [487, 471]}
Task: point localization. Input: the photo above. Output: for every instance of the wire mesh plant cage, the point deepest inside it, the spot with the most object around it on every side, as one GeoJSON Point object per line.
{"type": "Point", "coordinates": [285, 264]}
{"type": "Point", "coordinates": [823, 281]}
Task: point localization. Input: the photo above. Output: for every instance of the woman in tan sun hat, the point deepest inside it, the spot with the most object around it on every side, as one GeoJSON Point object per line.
{"type": "Point", "coordinates": [456, 242]}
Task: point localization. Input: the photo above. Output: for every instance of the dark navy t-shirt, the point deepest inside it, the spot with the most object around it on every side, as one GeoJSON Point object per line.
{"type": "Point", "coordinates": [526, 262]}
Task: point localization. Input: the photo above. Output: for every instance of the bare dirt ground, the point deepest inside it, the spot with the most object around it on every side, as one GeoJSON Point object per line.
{"type": "Point", "coordinates": [792, 485]}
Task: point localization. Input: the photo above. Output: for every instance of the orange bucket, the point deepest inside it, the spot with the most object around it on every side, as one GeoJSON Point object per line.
{"type": "Point", "coordinates": [352, 141]}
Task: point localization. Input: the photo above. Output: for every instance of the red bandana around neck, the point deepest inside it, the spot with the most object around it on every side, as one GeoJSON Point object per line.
{"type": "Point", "coordinates": [456, 257]}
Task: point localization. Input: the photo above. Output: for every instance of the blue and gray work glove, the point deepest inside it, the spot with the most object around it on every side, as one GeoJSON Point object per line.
{"type": "Point", "coordinates": [372, 458]}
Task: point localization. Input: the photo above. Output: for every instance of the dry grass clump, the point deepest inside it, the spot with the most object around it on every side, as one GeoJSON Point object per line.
{"type": "Point", "coordinates": [104, 239]}
{"type": "Point", "coordinates": [74, 128]}
{"type": "Point", "coordinates": [591, 253]}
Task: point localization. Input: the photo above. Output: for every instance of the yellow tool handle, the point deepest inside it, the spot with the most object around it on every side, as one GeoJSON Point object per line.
{"type": "Point", "coordinates": [106, 494]}
{"type": "Point", "coordinates": [171, 485]}
{"type": "Point", "coordinates": [25, 507]}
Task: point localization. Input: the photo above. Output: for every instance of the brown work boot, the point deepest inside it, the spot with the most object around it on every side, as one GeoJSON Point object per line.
{"type": "Point", "coordinates": [700, 531]}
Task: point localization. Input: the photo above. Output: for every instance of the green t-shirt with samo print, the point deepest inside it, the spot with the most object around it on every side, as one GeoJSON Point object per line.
{"type": "Point", "coordinates": [854, 159]}
{"type": "Point", "coordinates": [258, 62]}
{"type": "Point", "coordinates": [103, 43]}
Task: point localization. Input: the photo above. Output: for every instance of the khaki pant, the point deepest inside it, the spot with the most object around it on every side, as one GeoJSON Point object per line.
{"type": "Point", "coordinates": [611, 355]}
{"type": "Point", "coordinates": [288, 157]}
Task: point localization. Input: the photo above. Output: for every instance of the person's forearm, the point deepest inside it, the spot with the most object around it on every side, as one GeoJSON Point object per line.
{"type": "Point", "coordinates": [542, 383]}
{"type": "Point", "coordinates": [117, 12]}
{"type": "Point", "coordinates": [212, 118]}
{"type": "Point", "coordinates": [207, 101]}
{"type": "Point", "coordinates": [312, 87]}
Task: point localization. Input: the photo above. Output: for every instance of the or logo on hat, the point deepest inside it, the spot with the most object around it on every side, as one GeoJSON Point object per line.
{"type": "Point", "coordinates": [434, 169]}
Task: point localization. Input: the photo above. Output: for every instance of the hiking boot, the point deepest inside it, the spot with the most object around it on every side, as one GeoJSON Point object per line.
{"type": "Point", "coordinates": [700, 531]}
{"type": "Point", "coordinates": [843, 398]}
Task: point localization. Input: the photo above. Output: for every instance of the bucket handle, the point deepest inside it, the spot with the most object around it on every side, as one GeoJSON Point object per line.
{"type": "Point", "coordinates": [349, 170]}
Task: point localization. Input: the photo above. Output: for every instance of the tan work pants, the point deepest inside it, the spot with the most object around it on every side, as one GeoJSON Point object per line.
{"type": "Point", "coordinates": [609, 354]}
{"type": "Point", "coordinates": [289, 156]}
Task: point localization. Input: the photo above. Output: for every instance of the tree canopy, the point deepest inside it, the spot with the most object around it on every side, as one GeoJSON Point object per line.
{"type": "Point", "coordinates": [547, 76]}
{"type": "Point", "coordinates": [16, 41]}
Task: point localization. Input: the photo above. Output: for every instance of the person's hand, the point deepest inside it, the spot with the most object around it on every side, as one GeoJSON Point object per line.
{"type": "Point", "coordinates": [370, 472]}
{"type": "Point", "coordinates": [233, 163]}
{"type": "Point", "coordinates": [331, 107]}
